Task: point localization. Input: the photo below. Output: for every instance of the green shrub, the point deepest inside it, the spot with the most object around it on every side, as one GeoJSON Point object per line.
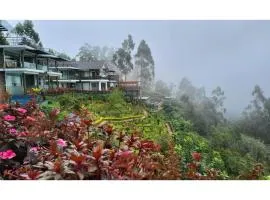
{"type": "Point", "coordinates": [235, 163]}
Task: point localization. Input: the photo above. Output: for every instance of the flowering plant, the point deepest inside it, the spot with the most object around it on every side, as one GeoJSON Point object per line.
{"type": "Point", "coordinates": [38, 146]}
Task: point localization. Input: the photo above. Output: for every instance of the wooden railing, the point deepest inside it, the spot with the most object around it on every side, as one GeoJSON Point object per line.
{"type": "Point", "coordinates": [129, 85]}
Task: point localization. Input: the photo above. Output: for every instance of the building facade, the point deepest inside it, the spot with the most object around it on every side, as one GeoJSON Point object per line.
{"type": "Point", "coordinates": [24, 65]}
{"type": "Point", "coordinates": [88, 76]}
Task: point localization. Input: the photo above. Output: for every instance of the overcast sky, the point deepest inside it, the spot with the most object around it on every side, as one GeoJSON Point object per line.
{"type": "Point", "coordinates": [232, 54]}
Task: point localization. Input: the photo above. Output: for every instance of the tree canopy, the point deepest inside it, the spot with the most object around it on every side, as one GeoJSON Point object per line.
{"type": "Point", "coordinates": [27, 29]}
{"type": "Point", "coordinates": [256, 117]}
{"type": "Point", "coordinates": [3, 40]}
{"type": "Point", "coordinates": [88, 52]}
{"type": "Point", "coordinates": [123, 58]}
{"type": "Point", "coordinates": [162, 88]}
{"type": "Point", "coordinates": [144, 61]}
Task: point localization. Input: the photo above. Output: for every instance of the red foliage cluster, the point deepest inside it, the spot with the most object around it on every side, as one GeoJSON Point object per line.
{"type": "Point", "coordinates": [36, 146]}
{"type": "Point", "coordinates": [255, 174]}
{"type": "Point", "coordinates": [194, 172]}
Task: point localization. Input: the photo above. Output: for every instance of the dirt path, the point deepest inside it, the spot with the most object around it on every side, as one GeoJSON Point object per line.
{"type": "Point", "coordinates": [169, 127]}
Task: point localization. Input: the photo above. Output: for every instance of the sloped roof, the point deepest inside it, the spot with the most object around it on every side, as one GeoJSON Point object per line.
{"type": "Point", "coordinates": [90, 65]}
{"type": "Point", "coordinates": [86, 65]}
{"type": "Point", "coordinates": [5, 26]}
{"type": "Point", "coordinates": [48, 55]}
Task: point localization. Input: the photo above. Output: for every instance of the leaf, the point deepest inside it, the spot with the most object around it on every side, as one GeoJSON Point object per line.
{"type": "Point", "coordinates": [48, 175]}
{"type": "Point", "coordinates": [92, 168]}
{"type": "Point", "coordinates": [81, 175]}
{"type": "Point", "coordinates": [97, 151]}
{"type": "Point", "coordinates": [68, 171]}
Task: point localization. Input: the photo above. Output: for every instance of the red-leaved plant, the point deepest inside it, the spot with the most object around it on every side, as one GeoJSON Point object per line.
{"type": "Point", "coordinates": [38, 146]}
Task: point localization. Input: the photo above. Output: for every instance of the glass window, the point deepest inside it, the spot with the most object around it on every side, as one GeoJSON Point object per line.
{"type": "Point", "coordinates": [13, 80]}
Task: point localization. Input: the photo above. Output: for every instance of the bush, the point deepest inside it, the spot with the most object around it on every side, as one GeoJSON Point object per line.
{"type": "Point", "coordinates": [116, 97]}
{"type": "Point", "coordinates": [37, 146]}
{"type": "Point", "coordinates": [253, 147]}
{"type": "Point", "coordinates": [235, 163]}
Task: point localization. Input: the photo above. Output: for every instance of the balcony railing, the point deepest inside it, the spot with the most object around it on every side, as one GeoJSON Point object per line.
{"type": "Point", "coordinates": [74, 77]}
{"type": "Point", "coordinates": [65, 77]}
{"type": "Point", "coordinates": [15, 90]}
{"type": "Point", "coordinates": [42, 67]}
{"type": "Point", "coordinates": [113, 77]}
{"type": "Point", "coordinates": [51, 69]}
{"type": "Point", "coordinates": [11, 64]}
{"type": "Point", "coordinates": [92, 77]}
{"type": "Point", "coordinates": [29, 65]}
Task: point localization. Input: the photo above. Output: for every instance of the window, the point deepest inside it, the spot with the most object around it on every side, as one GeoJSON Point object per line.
{"type": "Point", "coordinates": [13, 80]}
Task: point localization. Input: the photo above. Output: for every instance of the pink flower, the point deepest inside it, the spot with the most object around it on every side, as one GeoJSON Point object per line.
{"type": "Point", "coordinates": [12, 131]}
{"type": "Point", "coordinates": [70, 124]}
{"type": "Point", "coordinates": [9, 118]}
{"type": "Point", "coordinates": [7, 154]}
{"type": "Point", "coordinates": [61, 142]}
{"type": "Point", "coordinates": [30, 119]}
{"type": "Point", "coordinates": [34, 149]}
{"type": "Point", "coordinates": [22, 110]}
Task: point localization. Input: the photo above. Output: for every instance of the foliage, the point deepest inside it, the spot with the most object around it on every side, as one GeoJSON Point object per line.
{"type": "Point", "coordinates": [64, 55]}
{"type": "Point", "coordinates": [4, 97]}
{"type": "Point", "coordinates": [162, 88]}
{"type": "Point", "coordinates": [93, 53]}
{"type": "Point", "coordinates": [116, 97]}
{"type": "Point", "coordinates": [3, 40]}
{"type": "Point", "coordinates": [224, 149]}
{"type": "Point", "coordinates": [146, 66]}
{"type": "Point", "coordinates": [194, 170]}
{"type": "Point", "coordinates": [27, 29]}
{"type": "Point", "coordinates": [256, 117]}
{"type": "Point", "coordinates": [61, 55]}
{"type": "Point", "coordinates": [40, 148]}
{"type": "Point", "coordinates": [255, 174]}
{"type": "Point", "coordinates": [122, 58]}
{"type": "Point", "coordinates": [203, 111]}
{"type": "Point", "coordinates": [113, 105]}
{"type": "Point", "coordinates": [67, 102]}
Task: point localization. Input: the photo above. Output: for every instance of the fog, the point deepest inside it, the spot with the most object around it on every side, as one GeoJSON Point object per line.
{"type": "Point", "coordinates": [231, 54]}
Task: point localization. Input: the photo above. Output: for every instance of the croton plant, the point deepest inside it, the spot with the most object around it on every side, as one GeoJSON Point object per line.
{"type": "Point", "coordinates": [35, 145]}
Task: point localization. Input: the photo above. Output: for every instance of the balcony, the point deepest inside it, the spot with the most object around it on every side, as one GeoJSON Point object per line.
{"type": "Point", "coordinates": [29, 65]}
{"type": "Point", "coordinates": [113, 77]}
{"type": "Point", "coordinates": [15, 64]}
{"type": "Point", "coordinates": [129, 85]}
{"type": "Point", "coordinates": [42, 67]}
{"type": "Point", "coordinates": [92, 77]}
{"type": "Point", "coordinates": [53, 69]}
{"type": "Point", "coordinates": [70, 77]}
{"type": "Point", "coordinates": [11, 64]}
